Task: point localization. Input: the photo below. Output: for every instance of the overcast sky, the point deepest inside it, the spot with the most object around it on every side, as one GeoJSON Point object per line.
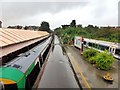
{"type": "Point", "coordinates": [22, 12]}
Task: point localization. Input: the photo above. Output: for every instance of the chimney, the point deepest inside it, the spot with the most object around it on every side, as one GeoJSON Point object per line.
{"type": "Point", "coordinates": [0, 24]}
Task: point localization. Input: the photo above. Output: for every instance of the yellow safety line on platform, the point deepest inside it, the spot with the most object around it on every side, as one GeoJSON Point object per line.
{"type": "Point", "coordinates": [82, 74]}
{"type": "Point", "coordinates": [78, 67]}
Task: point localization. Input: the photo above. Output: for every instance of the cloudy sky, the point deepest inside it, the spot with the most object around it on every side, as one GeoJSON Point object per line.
{"type": "Point", "coordinates": [57, 12]}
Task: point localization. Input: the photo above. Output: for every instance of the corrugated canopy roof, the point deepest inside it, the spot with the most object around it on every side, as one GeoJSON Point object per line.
{"type": "Point", "coordinates": [13, 36]}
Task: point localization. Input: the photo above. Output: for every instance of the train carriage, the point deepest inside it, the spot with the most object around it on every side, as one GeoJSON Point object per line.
{"type": "Point", "coordinates": [99, 45]}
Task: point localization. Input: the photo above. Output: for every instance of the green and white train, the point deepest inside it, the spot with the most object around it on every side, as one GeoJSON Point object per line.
{"type": "Point", "coordinates": [22, 72]}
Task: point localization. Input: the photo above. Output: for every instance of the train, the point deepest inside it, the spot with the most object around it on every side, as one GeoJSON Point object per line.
{"type": "Point", "coordinates": [22, 71]}
{"type": "Point", "coordinates": [113, 48]}
{"type": "Point", "coordinates": [58, 72]}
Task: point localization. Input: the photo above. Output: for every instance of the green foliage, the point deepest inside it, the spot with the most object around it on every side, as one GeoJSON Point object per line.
{"type": "Point", "coordinates": [92, 60]}
{"type": "Point", "coordinates": [69, 33]}
{"type": "Point", "coordinates": [106, 34]}
{"type": "Point", "coordinates": [86, 53]}
{"type": "Point", "coordinates": [104, 60]}
{"type": "Point", "coordinates": [73, 23]}
{"type": "Point", "coordinates": [45, 27]}
{"type": "Point", "coordinates": [90, 54]}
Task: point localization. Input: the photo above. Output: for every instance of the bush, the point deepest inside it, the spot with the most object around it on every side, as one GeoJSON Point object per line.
{"type": "Point", "coordinates": [86, 53]}
{"type": "Point", "coordinates": [90, 54]}
{"type": "Point", "coordinates": [92, 60]}
{"type": "Point", "coordinates": [104, 60]}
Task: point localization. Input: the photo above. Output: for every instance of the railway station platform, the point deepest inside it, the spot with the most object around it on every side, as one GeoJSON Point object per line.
{"type": "Point", "coordinates": [89, 76]}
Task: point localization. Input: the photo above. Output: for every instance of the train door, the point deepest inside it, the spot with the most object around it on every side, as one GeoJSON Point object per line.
{"type": "Point", "coordinates": [117, 53]}
{"type": "Point", "coordinates": [41, 60]}
{"type": "Point", "coordinates": [112, 50]}
{"type": "Point", "coordinates": [86, 43]}
{"type": "Point", "coordinates": [75, 42]}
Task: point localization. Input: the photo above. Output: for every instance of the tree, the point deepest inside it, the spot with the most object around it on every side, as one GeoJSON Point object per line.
{"type": "Point", "coordinates": [26, 27]}
{"type": "Point", "coordinates": [45, 26]}
{"type": "Point", "coordinates": [80, 25]}
{"type": "Point", "coordinates": [18, 27]}
{"type": "Point", "coordinates": [65, 26]}
{"type": "Point", "coordinates": [73, 23]}
{"type": "Point", "coordinates": [90, 26]}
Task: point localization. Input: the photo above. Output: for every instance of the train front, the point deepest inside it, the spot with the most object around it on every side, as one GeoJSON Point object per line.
{"type": "Point", "coordinates": [11, 78]}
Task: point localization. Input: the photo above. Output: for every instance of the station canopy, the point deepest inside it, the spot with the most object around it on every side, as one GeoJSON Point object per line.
{"type": "Point", "coordinates": [14, 36]}
{"type": "Point", "coordinates": [12, 40]}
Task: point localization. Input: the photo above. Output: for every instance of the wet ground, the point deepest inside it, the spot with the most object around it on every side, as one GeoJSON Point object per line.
{"type": "Point", "coordinates": [94, 75]}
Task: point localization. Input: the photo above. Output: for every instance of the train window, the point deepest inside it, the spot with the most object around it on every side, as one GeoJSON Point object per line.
{"type": "Point", "coordinates": [106, 47]}
{"type": "Point", "coordinates": [97, 45]}
{"type": "Point", "coordinates": [45, 53]}
{"type": "Point", "coordinates": [90, 44]}
{"type": "Point", "coordinates": [17, 66]}
{"type": "Point", "coordinates": [102, 47]}
{"type": "Point", "coordinates": [10, 87]}
{"type": "Point", "coordinates": [41, 60]}
{"type": "Point", "coordinates": [27, 85]}
{"type": "Point", "coordinates": [31, 78]}
{"type": "Point", "coordinates": [77, 42]}
{"type": "Point", "coordinates": [94, 45]}
{"type": "Point", "coordinates": [110, 49]}
{"type": "Point", "coordinates": [117, 51]}
{"type": "Point", "coordinates": [84, 42]}
{"type": "Point", "coordinates": [113, 50]}
{"type": "Point", "coordinates": [8, 65]}
{"type": "Point", "coordinates": [38, 61]}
